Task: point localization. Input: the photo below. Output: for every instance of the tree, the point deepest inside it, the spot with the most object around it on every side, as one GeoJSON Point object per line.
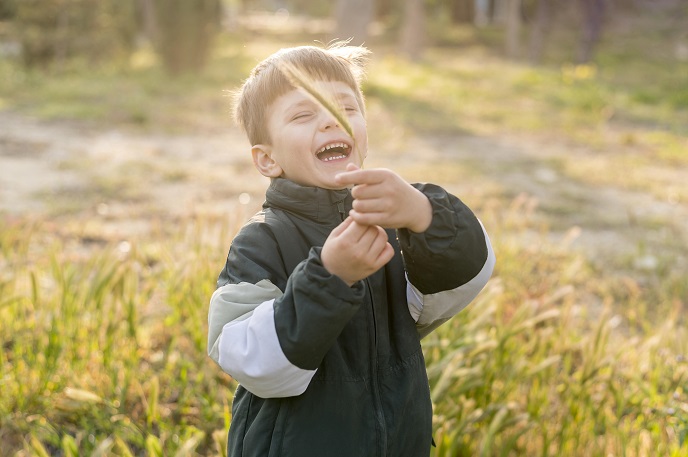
{"type": "Point", "coordinates": [52, 31]}
{"type": "Point", "coordinates": [413, 29]}
{"type": "Point", "coordinates": [540, 29]}
{"type": "Point", "coordinates": [8, 9]}
{"type": "Point", "coordinates": [353, 18]}
{"type": "Point", "coordinates": [185, 32]}
{"type": "Point", "coordinates": [513, 28]}
{"type": "Point", "coordinates": [462, 11]}
{"type": "Point", "coordinates": [593, 17]}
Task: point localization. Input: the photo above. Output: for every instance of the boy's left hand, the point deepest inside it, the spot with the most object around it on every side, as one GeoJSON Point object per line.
{"type": "Point", "coordinates": [382, 197]}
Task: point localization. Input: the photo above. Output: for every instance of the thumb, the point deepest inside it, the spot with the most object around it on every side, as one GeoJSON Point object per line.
{"type": "Point", "coordinates": [352, 167]}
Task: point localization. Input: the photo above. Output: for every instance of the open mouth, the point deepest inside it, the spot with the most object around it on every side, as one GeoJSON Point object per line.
{"type": "Point", "coordinates": [334, 151]}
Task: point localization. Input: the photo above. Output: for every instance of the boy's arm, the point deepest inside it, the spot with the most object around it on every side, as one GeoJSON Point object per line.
{"type": "Point", "coordinates": [272, 342]}
{"type": "Point", "coordinates": [448, 264]}
{"type": "Point", "coordinates": [448, 261]}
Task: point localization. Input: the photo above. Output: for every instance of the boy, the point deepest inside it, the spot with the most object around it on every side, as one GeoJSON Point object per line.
{"type": "Point", "coordinates": [326, 293]}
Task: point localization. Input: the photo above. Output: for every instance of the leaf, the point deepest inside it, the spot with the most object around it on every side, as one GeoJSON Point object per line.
{"type": "Point", "coordinates": [153, 446]}
{"type": "Point", "coordinates": [188, 447]}
{"type": "Point", "coordinates": [103, 448]}
{"type": "Point", "coordinates": [69, 446]}
{"type": "Point", "coordinates": [81, 395]}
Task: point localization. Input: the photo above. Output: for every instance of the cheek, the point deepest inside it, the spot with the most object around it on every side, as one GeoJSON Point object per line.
{"type": "Point", "coordinates": [360, 129]}
{"type": "Point", "coordinates": [362, 138]}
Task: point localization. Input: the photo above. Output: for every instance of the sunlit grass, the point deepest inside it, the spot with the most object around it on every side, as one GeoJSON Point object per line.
{"type": "Point", "coordinates": [104, 341]}
{"type": "Point", "coordinates": [103, 347]}
{"type": "Point", "coordinates": [558, 359]}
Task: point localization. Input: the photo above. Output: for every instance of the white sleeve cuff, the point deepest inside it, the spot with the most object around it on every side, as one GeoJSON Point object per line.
{"type": "Point", "coordinates": [426, 309]}
{"type": "Point", "coordinates": [250, 352]}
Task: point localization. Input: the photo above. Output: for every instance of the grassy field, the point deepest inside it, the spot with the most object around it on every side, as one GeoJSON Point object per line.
{"type": "Point", "coordinates": [567, 352]}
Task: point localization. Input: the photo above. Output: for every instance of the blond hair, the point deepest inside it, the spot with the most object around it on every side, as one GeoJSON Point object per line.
{"type": "Point", "coordinates": [337, 62]}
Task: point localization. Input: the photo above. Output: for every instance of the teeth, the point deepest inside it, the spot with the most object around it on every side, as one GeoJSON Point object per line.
{"type": "Point", "coordinates": [333, 145]}
{"type": "Point", "coordinates": [334, 158]}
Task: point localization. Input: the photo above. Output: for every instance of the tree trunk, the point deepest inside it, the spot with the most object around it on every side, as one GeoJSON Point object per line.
{"type": "Point", "coordinates": [483, 12]}
{"type": "Point", "coordinates": [513, 28]}
{"type": "Point", "coordinates": [385, 8]}
{"type": "Point", "coordinates": [353, 18]}
{"type": "Point", "coordinates": [413, 29]}
{"type": "Point", "coordinates": [499, 10]}
{"type": "Point", "coordinates": [186, 31]}
{"type": "Point", "coordinates": [540, 30]}
{"type": "Point", "coordinates": [150, 29]}
{"type": "Point", "coordinates": [593, 16]}
{"type": "Point", "coordinates": [462, 11]}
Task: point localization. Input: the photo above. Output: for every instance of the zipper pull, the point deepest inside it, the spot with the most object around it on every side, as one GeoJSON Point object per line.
{"type": "Point", "coordinates": [340, 208]}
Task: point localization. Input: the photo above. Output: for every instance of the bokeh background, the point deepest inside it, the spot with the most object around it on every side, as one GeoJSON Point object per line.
{"type": "Point", "coordinates": [562, 123]}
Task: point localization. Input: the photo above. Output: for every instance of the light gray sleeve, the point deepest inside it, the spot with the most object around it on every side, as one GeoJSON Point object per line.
{"type": "Point", "coordinates": [242, 340]}
{"type": "Point", "coordinates": [431, 310]}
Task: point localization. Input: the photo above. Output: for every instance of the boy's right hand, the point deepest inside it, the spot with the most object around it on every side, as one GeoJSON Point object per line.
{"type": "Point", "coordinates": [354, 251]}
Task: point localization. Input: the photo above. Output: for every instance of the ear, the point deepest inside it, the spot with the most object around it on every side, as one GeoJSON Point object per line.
{"type": "Point", "coordinates": [262, 159]}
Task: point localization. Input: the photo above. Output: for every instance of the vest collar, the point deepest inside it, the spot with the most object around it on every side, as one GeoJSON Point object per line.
{"type": "Point", "coordinates": [316, 203]}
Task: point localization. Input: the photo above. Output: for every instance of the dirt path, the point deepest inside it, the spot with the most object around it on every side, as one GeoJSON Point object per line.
{"type": "Point", "coordinates": [613, 221]}
{"type": "Point", "coordinates": [69, 170]}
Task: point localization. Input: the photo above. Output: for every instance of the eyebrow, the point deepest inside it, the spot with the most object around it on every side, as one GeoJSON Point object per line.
{"type": "Point", "coordinates": [308, 102]}
{"type": "Point", "coordinates": [344, 96]}
{"type": "Point", "coordinates": [337, 96]}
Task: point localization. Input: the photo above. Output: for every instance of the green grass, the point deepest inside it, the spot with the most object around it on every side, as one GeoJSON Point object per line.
{"type": "Point", "coordinates": [104, 348]}
{"type": "Point", "coordinates": [552, 360]}
{"type": "Point", "coordinates": [104, 341]}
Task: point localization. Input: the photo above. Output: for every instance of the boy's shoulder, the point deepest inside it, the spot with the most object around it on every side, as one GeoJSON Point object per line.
{"type": "Point", "coordinates": [269, 239]}
{"type": "Point", "coordinates": [260, 227]}
{"type": "Point", "coordinates": [267, 229]}
{"type": "Point", "coordinates": [266, 222]}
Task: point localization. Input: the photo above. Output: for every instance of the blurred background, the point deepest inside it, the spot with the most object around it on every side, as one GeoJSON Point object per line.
{"type": "Point", "coordinates": [562, 123]}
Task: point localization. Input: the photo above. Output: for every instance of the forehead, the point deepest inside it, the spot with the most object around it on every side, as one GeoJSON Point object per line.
{"type": "Point", "coordinates": [338, 90]}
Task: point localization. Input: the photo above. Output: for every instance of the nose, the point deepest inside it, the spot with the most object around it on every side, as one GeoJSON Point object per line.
{"type": "Point", "coordinates": [328, 121]}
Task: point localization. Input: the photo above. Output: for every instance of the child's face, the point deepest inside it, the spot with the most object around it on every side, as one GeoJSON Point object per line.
{"type": "Point", "coordinates": [308, 145]}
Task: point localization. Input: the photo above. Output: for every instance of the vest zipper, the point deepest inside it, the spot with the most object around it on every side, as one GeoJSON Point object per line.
{"type": "Point", "coordinates": [379, 413]}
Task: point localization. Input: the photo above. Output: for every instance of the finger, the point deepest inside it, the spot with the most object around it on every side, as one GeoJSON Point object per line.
{"type": "Point", "coordinates": [372, 238]}
{"type": "Point", "coordinates": [371, 205]}
{"type": "Point", "coordinates": [360, 177]}
{"type": "Point", "coordinates": [338, 230]}
{"type": "Point", "coordinates": [367, 240]}
{"type": "Point", "coordinates": [378, 242]}
{"type": "Point", "coordinates": [355, 231]}
{"type": "Point", "coordinates": [351, 167]}
{"type": "Point", "coordinates": [368, 218]}
{"type": "Point", "coordinates": [380, 189]}
{"type": "Point", "coordinates": [385, 255]}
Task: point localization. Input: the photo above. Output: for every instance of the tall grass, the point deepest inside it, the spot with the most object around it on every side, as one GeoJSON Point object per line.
{"type": "Point", "coordinates": [103, 344]}
{"type": "Point", "coordinates": [103, 349]}
{"type": "Point", "coordinates": [547, 363]}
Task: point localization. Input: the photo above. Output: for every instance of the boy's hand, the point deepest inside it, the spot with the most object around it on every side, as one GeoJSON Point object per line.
{"type": "Point", "coordinates": [382, 197]}
{"type": "Point", "coordinates": [353, 251]}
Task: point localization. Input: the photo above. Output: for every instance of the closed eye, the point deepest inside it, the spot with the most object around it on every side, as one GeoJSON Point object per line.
{"type": "Point", "coordinates": [301, 116]}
